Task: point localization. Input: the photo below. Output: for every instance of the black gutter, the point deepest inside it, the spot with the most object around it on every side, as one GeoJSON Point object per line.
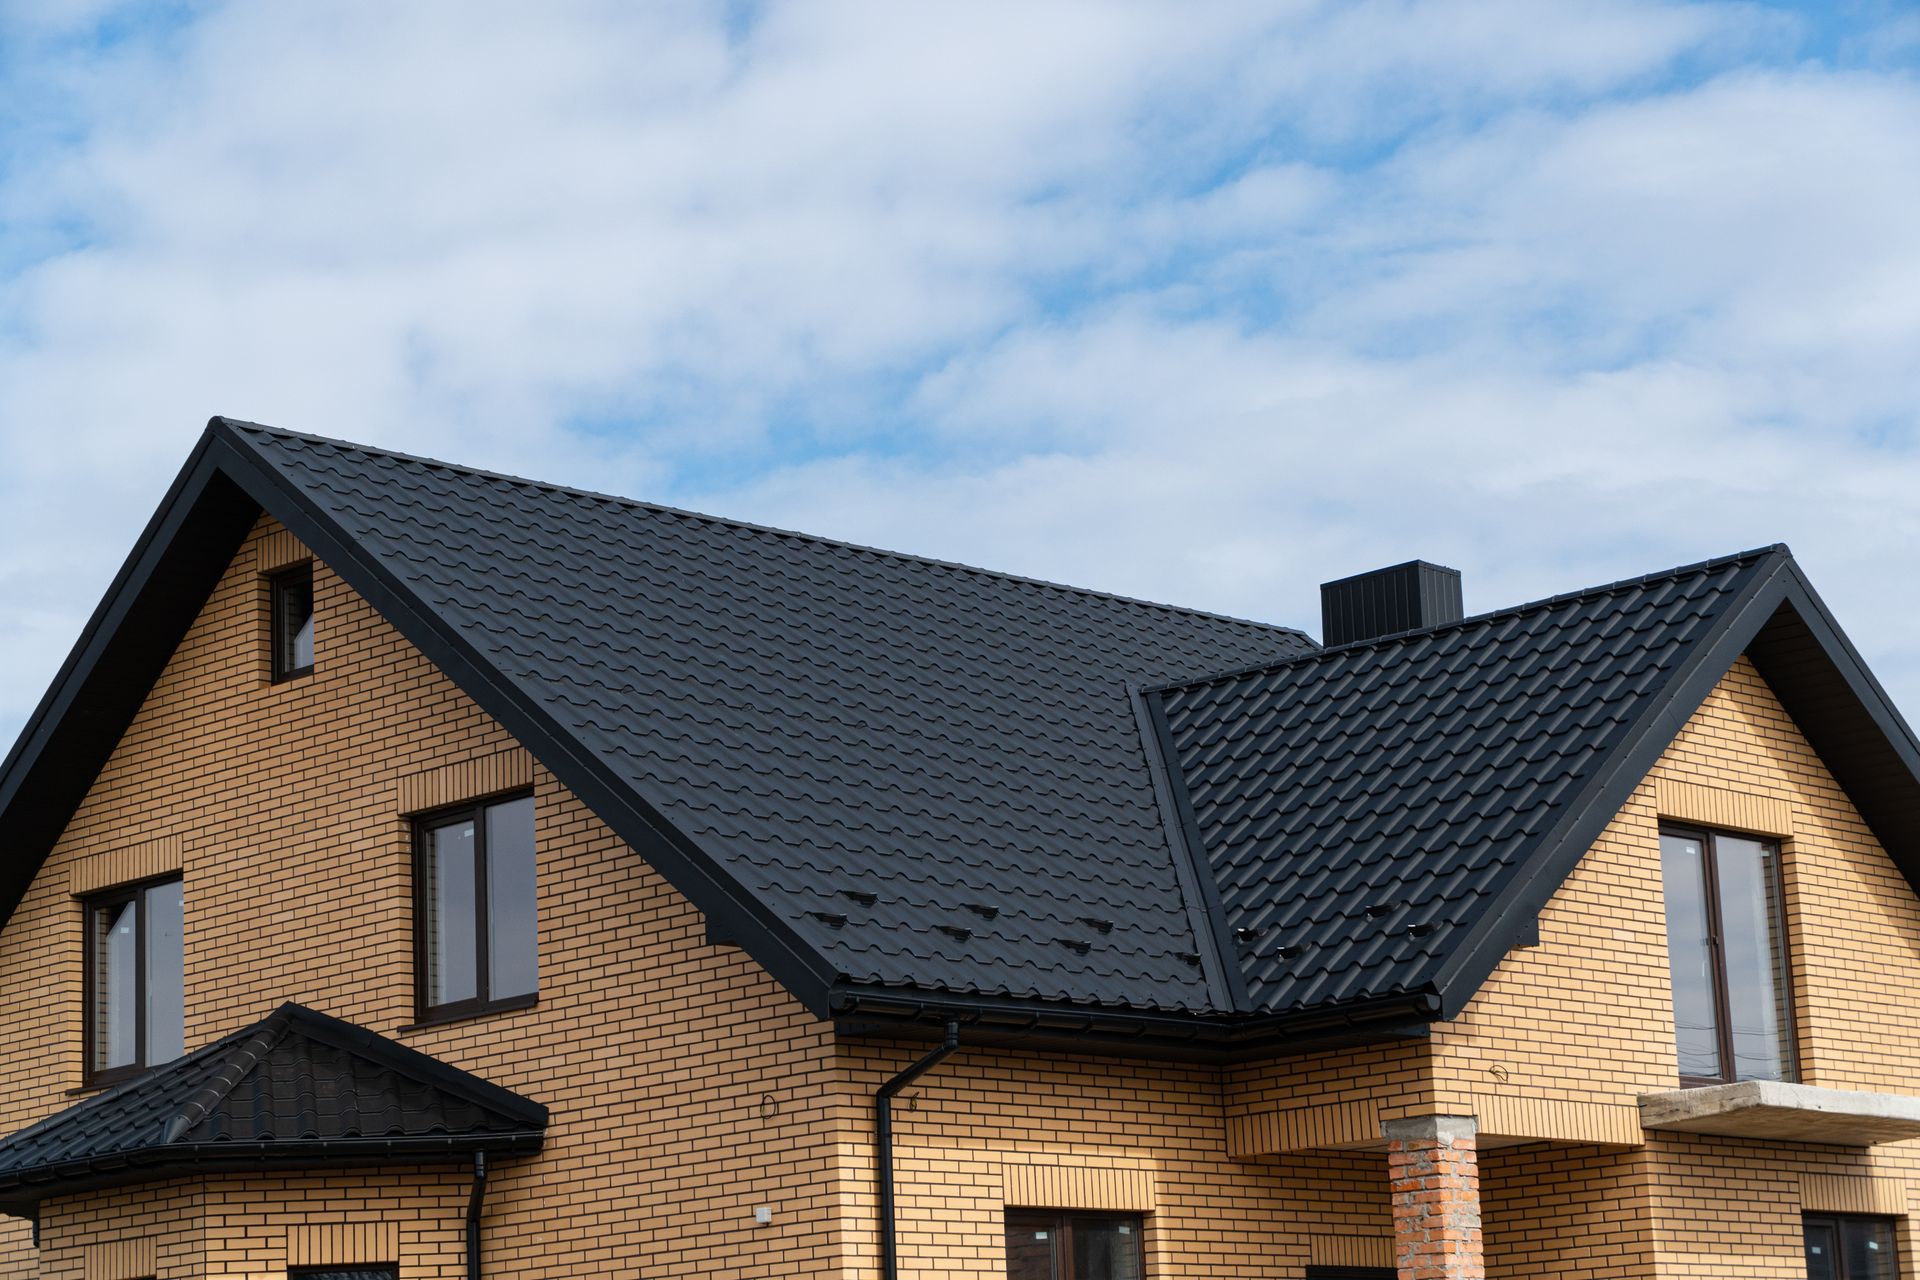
{"type": "Point", "coordinates": [883, 1144]}
{"type": "Point", "coordinates": [475, 1201]}
{"type": "Point", "coordinates": [1196, 1036]}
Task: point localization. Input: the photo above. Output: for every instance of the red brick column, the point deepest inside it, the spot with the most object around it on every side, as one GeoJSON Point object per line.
{"type": "Point", "coordinates": [1433, 1165]}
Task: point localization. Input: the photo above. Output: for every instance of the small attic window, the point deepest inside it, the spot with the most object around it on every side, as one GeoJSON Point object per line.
{"type": "Point", "coordinates": [292, 591]}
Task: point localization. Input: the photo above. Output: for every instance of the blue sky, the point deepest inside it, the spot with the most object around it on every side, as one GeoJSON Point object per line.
{"type": "Point", "coordinates": [1206, 303]}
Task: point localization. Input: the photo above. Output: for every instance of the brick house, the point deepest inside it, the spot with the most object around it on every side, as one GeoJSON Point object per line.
{"type": "Point", "coordinates": [416, 872]}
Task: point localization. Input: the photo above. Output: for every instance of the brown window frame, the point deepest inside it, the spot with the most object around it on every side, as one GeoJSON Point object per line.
{"type": "Point", "coordinates": [92, 1076]}
{"type": "Point", "coordinates": [1061, 1221]}
{"type": "Point", "coordinates": [360, 1271]}
{"type": "Point", "coordinates": [1839, 1220]}
{"type": "Point", "coordinates": [1722, 996]}
{"type": "Point", "coordinates": [277, 637]}
{"type": "Point", "coordinates": [458, 1010]}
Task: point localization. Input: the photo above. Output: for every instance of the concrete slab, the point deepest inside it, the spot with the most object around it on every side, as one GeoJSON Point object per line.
{"type": "Point", "coordinates": [1785, 1112]}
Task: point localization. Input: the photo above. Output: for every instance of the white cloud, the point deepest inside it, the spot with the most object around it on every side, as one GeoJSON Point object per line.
{"type": "Point", "coordinates": [1203, 302]}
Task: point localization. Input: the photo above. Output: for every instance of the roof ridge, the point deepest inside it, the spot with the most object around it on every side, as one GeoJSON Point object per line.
{"type": "Point", "coordinates": [752, 527]}
{"type": "Point", "coordinates": [1509, 611]}
{"type": "Point", "coordinates": [251, 1045]}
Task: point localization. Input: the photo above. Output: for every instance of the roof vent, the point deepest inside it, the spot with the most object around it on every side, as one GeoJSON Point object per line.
{"type": "Point", "coordinates": [1406, 597]}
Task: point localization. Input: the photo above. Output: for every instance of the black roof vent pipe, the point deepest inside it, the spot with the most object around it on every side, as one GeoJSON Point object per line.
{"type": "Point", "coordinates": [1406, 597]}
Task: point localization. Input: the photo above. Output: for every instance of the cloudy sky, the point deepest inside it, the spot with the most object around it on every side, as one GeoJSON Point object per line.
{"type": "Point", "coordinates": [1205, 303]}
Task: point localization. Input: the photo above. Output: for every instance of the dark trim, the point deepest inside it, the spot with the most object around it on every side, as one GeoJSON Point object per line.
{"type": "Point", "coordinates": [773, 942]}
{"type": "Point", "coordinates": [1520, 895]}
{"type": "Point", "coordinates": [190, 541]}
{"type": "Point", "coordinates": [883, 1145]}
{"type": "Point", "coordinates": [476, 1202]}
{"type": "Point", "coordinates": [483, 1002]}
{"type": "Point", "coordinates": [1176, 823]}
{"type": "Point", "coordinates": [1195, 1037]}
{"type": "Point", "coordinates": [21, 1193]}
{"type": "Point", "coordinates": [1193, 851]}
{"type": "Point", "coordinates": [442, 1016]}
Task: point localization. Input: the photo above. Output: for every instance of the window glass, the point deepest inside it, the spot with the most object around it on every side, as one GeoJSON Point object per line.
{"type": "Point", "coordinates": [451, 910]}
{"type": "Point", "coordinates": [1689, 950]}
{"type": "Point", "coordinates": [479, 920]}
{"type": "Point", "coordinates": [1106, 1249]}
{"type": "Point", "coordinates": [115, 945]}
{"type": "Point", "coordinates": [1750, 931]}
{"type": "Point", "coordinates": [165, 973]}
{"type": "Point", "coordinates": [1868, 1249]}
{"type": "Point", "coordinates": [1840, 1247]}
{"type": "Point", "coordinates": [293, 622]}
{"type": "Point", "coordinates": [1030, 1252]}
{"type": "Point", "coordinates": [512, 950]}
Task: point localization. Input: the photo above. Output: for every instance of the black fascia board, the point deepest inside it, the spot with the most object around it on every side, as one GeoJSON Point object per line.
{"type": "Point", "coordinates": [772, 942]}
{"type": "Point", "coordinates": [21, 1192]}
{"type": "Point", "coordinates": [905, 1013]}
{"type": "Point", "coordinates": [187, 544]}
{"type": "Point", "coordinates": [1840, 707]}
{"type": "Point", "coordinates": [1518, 899]}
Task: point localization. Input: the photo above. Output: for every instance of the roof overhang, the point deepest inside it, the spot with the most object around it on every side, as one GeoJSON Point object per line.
{"type": "Point", "coordinates": [1785, 1113]}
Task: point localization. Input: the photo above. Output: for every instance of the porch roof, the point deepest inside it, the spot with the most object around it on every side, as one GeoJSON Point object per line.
{"type": "Point", "coordinates": [297, 1089]}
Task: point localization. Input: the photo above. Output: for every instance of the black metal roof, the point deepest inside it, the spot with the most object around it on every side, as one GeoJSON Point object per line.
{"type": "Point", "coordinates": [911, 788]}
{"type": "Point", "coordinates": [297, 1089]}
{"type": "Point", "coordinates": [1388, 817]}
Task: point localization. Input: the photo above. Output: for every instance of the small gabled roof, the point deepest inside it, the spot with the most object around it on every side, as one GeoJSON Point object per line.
{"type": "Point", "coordinates": [295, 1090]}
{"type": "Point", "coordinates": [1387, 818]}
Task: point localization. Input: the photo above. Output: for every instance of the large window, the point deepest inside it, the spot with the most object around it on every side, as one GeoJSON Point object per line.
{"type": "Point", "coordinates": [1850, 1248]}
{"type": "Point", "coordinates": [476, 927]}
{"type": "Point", "coordinates": [1070, 1246]}
{"type": "Point", "coordinates": [292, 592]}
{"type": "Point", "coordinates": [135, 980]}
{"type": "Point", "coordinates": [1726, 940]}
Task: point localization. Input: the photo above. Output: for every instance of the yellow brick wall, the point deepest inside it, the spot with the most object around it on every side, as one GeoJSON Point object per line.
{"type": "Point", "coordinates": [981, 1111]}
{"type": "Point", "coordinates": [686, 1087]}
{"type": "Point", "coordinates": [233, 1227]}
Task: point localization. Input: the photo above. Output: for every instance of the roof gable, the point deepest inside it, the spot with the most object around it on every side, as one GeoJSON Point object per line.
{"type": "Point", "coordinates": [869, 769]}
{"type": "Point", "coordinates": [1388, 818]}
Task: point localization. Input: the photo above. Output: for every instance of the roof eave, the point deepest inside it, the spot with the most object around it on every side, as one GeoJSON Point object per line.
{"type": "Point", "coordinates": [22, 1191]}
{"type": "Point", "coordinates": [1106, 1031]}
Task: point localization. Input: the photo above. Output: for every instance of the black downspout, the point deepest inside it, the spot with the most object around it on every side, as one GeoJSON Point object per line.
{"type": "Point", "coordinates": [883, 1142]}
{"type": "Point", "coordinates": [474, 1201]}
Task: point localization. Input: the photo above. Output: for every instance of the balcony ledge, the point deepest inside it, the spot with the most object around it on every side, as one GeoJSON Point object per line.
{"type": "Point", "coordinates": [1785, 1113]}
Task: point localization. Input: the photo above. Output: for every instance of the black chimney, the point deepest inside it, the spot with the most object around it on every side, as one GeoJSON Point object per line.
{"type": "Point", "coordinates": [1406, 597]}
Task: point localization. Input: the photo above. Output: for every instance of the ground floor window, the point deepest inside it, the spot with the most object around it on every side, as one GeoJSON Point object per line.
{"type": "Point", "coordinates": [346, 1273]}
{"type": "Point", "coordinates": [1043, 1245]}
{"type": "Point", "coordinates": [1840, 1248]}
